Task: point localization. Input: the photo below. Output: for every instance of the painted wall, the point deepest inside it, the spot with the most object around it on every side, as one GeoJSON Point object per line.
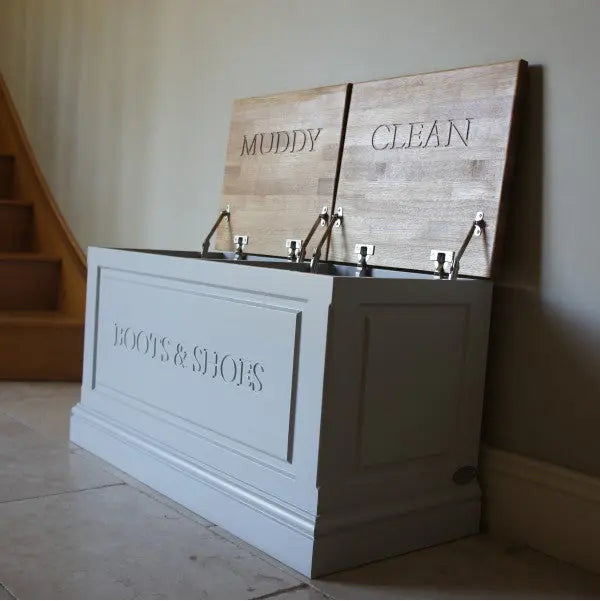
{"type": "Point", "coordinates": [127, 105]}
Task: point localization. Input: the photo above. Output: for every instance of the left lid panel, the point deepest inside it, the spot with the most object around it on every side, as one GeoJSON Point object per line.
{"type": "Point", "coordinates": [281, 167]}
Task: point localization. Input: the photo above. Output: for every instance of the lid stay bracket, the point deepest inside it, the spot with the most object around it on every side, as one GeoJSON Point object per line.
{"type": "Point", "coordinates": [222, 215]}
{"type": "Point", "coordinates": [336, 220]}
{"type": "Point", "coordinates": [322, 220]}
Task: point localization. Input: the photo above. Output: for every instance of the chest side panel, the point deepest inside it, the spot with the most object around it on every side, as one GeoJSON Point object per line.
{"type": "Point", "coordinates": [404, 390]}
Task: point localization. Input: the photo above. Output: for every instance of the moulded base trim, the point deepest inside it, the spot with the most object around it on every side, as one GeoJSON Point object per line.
{"type": "Point", "coordinates": [257, 521]}
{"type": "Point", "coordinates": [278, 531]}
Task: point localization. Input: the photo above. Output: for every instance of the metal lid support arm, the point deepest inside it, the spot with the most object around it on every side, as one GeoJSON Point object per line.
{"type": "Point", "coordinates": [475, 230]}
{"type": "Point", "coordinates": [322, 219]}
{"type": "Point", "coordinates": [224, 214]}
{"type": "Point", "coordinates": [447, 262]}
{"type": "Point", "coordinates": [336, 220]}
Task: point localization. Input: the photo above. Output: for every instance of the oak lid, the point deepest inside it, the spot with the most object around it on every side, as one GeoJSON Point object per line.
{"type": "Point", "coordinates": [281, 167]}
{"type": "Point", "coordinates": [422, 155]}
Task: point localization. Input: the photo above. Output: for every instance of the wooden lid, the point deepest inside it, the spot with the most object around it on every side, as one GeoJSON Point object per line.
{"type": "Point", "coordinates": [422, 155]}
{"type": "Point", "coordinates": [281, 168]}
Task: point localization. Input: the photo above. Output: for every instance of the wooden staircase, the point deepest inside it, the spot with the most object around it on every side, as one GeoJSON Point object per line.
{"type": "Point", "coordinates": [42, 269]}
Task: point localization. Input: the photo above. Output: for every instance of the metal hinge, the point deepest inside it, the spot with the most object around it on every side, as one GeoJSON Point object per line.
{"type": "Point", "coordinates": [364, 251]}
{"type": "Point", "coordinates": [240, 243]}
{"type": "Point", "coordinates": [294, 247]}
{"type": "Point", "coordinates": [447, 262]}
{"type": "Point", "coordinates": [302, 245]}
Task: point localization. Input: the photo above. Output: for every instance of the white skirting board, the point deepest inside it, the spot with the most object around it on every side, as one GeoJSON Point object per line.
{"type": "Point", "coordinates": [550, 508]}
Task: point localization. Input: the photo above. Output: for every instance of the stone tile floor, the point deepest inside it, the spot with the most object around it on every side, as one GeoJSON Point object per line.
{"type": "Point", "coordinates": [72, 526]}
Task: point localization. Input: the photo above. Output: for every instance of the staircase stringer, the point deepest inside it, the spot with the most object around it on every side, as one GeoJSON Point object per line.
{"type": "Point", "coordinates": [52, 234]}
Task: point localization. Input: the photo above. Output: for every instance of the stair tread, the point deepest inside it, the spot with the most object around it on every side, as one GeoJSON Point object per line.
{"type": "Point", "coordinates": [28, 256]}
{"type": "Point", "coordinates": [32, 317]}
{"type": "Point", "coordinates": [13, 202]}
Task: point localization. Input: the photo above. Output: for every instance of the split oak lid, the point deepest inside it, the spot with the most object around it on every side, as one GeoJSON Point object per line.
{"type": "Point", "coordinates": [281, 167]}
{"type": "Point", "coordinates": [422, 155]}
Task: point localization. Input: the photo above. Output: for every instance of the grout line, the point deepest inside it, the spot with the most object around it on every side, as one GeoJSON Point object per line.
{"type": "Point", "coordinates": [3, 587]}
{"type": "Point", "coordinates": [63, 492]}
{"type": "Point", "coordinates": [279, 591]}
{"type": "Point", "coordinates": [274, 563]}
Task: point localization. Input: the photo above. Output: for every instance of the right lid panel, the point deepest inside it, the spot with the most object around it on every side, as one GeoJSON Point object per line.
{"type": "Point", "coordinates": [423, 154]}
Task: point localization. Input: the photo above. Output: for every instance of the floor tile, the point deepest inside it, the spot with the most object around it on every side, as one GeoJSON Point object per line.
{"type": "Point", "coordinates": [238, 542]}
{"type": "Point", "coordinates": [118, 543]}
{"type": "Point", "coordinates": [140, 486]}
{"type": "Point", "coordinates": [43, 406]}
{"type": "Point", "coordinates": [121, 539]}
{"type": "Point", "coordinates": [303, 591]}
{"type": "Point", "coordinates": [31, 466]}
{"type": "Point", "coordinates": [473, 568]}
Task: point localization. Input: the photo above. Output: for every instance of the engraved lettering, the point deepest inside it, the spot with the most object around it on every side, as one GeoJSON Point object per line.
{"type": "Point", "coordinates": [215, 364]}
{"type": "Point", "coordinates": [118, 340]}
{"type": "Point", "coordinates": [130, 332]}
{"type": "Point", "coordinates": [249, 149]}
{"type": "Point", "coordinates": [455, 128]}
{"type": "Point", "coordinates": [396, 126]}
{"type": "Point", "coordinates": [295, 132]}
{"type": "Point", "coordinates": [145, 344]}
{"type": "Point", "coordinates": [375, 133]}
{"type": "Point", "coordinates": [180, 356]}
{"type": "Point", "coordinates": [313, 140]}
{"type": "Point", "coordinates": [433, 132]}
{"type": "Point", "coordinates": [287, 141]}
{"type": "Point", "coordinates": [153, 341]}
{"type": "Point", "coordinates": [421, 134]}
{"type": "Point", "coordinates": [258, 385]}
{"type": "Point", "coordinates": [226, 368]}
{"type": "Point", "coordinates": [164, 342]}
{"type": "Point", "coordinates": [415, 134]}
{"type": "Point", "coordinates": [262, 137]}
{"type": "Point", "coordinates": [200, 357]}
{"type": "Point", "coordinates": [282, 141]}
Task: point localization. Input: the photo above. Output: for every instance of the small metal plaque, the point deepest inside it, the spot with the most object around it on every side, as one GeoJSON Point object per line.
{"type": "Point", "coordinates": [464, 475]}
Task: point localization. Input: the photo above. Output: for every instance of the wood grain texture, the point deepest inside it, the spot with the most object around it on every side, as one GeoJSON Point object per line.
{"type": "Point", "coordinates": [16, 226]}
{"type": "Point", "coordinates": [29, 281]}
{"type": "Point", "coordinates": [281, 167]}
{"type": "Point", "coordinates": [423, 154]}
{"type": "Point", "coordinates": [40, 345]}
{"type": "Point", "coordinates": [7, 165]}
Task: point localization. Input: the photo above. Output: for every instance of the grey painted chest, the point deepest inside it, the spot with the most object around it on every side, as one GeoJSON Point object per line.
{"type": "Point", "coordinates": [323, 418]}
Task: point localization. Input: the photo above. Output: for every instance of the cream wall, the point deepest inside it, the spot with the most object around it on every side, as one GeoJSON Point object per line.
{"type": "Point", "coordinates": [127, 105]}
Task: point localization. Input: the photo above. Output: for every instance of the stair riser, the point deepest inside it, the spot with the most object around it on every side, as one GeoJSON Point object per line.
{"type": "Point", "coordinates": [7, 170]}
{"type": "Point", "coordinates": [29, 285]}
{"type": "Point", "coordinates": [16, 227]}
{"type": "Point", "coordinates": [41, 353]}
